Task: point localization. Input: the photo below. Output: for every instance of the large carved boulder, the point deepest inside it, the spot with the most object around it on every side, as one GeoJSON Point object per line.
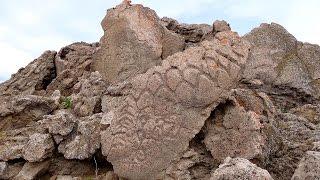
{"type": "Point", "coordinates": [134, 41]}
{"type": "Point", "coordinates": [162, 110]}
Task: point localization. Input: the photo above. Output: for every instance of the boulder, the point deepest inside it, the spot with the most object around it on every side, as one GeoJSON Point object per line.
{"type": "Point", "coordinates": [277, 58]}
{"type": "Point", "coordinates": [236, 134]}
{"type": "Point", "coordinates": [242, 127]}
{"type": "Point", "coordinates": [163, 109]}
{"type": "Point", "coordinates": [87, 94]}
{"type": "Point", "coordinates": [60, 123]}
{"type": "Point", "coordinates": [85, 141]}
{"type": "Point", "coordinates": [192, 33]}
{"type": "Point", "coordinates": [297, 136]}
{"type": "Point", "coordinates": [33, 79]}
{"type": "Point", "coordinates": [71, 63]}
{"type": "Point", "coordinates": [134, 41]}
{"type": "Point", "coordinates": [14, 142]}
{"type": "Point", "coordinates": [239, 168]}
{"type": "Point", "coordinates": [30, 108]}
{"type": "Point", "coordinates": [220, 26]}
{"type": "Point", "coordinates": [31, 171]}
{"type": "Point", "coordinates": [10, 170]}
{"type": "Point", "coordinates": [38, 148]}
{"type": "Point", "coordinates": [309, 167]}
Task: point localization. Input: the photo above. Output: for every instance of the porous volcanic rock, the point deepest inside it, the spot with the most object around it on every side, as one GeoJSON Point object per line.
{"type": "Point", "coordinates": [278, 58]}
{"type": "Point", "coordinates": [309, 167]}
{"type": "Point", "coordinates": [166, 107]}
{"type": "Point", "coordinates": [134, 41]}
{"type": "Point", "coordinates": [32, 79]}
{"type": "Point", "coordinates": [241, 169]}
{"type": "Point", "coordinates": [159, 99]}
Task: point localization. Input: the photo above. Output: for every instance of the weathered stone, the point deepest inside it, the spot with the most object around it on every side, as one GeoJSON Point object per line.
{"type": "Point", "coordinates": [195, 163]}
{"type": "Point", "coordinates": [297, 136]}
{"type": "Point", "coordinates": [192, 33]}
{"type": "Point", "coordinates": [32, 79]}
{"type": "Point", "coordinates": [236, 133]}
{"type": "Point", "coordinates": [30, 108]}
{"type": "Point", "coordinates": [38, 148]}
{"type": "Point", "coordinates": [111, 176]}
{"type": "Point", "coordinates": [14, 141]}
{"type": "Point", "coordinates": [241, 127]}
{"type": "Point", "coordinates": [134, 41]}
{"type": "Point", "coordinates": [9, 170]}
{"type": "Point", "coordinates": [3, 168]}
{"type": "Point", "coordinates": [72, 62]}
{"type": "Point", "coordinates": [61, 123]}
{"type": "Point", "coordinates": [241, 169]}
{"type": "Point", "coordinates": [87, 95]}
{"type": "Point", "coordinates": [220, 26]}
{"type": "Point", "coordinates": [309, 167]}
{"type": "Point", "coordinates": [85, 141]}
{"type": "Point", "coordinates": [278, 58]}
{"type": "Point", "coordinates": [160, 124]}
{"type": "Point", "coordinates": [31, 171]}
{"type": "Point", "coordinates": [308, 111]}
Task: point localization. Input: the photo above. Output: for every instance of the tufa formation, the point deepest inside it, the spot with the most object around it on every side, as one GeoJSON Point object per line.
{"type": "Point", "coordinates": [156, 99]}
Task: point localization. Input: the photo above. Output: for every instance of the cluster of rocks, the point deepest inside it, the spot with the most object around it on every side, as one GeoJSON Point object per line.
{"type": "Point", "coordinates": [155, 99]}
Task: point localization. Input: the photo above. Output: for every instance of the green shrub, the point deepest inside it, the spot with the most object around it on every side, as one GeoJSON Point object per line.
{"type": "Point", "coordinates": [67, 103]}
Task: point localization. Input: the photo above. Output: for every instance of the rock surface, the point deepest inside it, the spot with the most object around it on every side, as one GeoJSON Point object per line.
{"type": "Point", "coordinates": [167, 106]}
{"type": "Point", "coordinates": [134, 41]}
{"type": "Point", "coordinates": [156, 99]}
{"type": "Point", "coordinates": [32, 171]}
{"type": "Point", "coordinates": [278, 58]}
{"type": "Point", "coordinates": [241, 169]}
{"type": "Point", "coordinates": [309, 167]}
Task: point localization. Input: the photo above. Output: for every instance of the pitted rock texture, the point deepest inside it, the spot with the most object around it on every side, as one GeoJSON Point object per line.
{"type": "Point", "coordinates": [309, 167]}
{"type": "Point", "coordinates": [13, 144]}
{"type": "Point", "coordinates": [32, 171]}
{"type": "Point", "coordinates": [60, 123]}
{"type": "Point", "coordinates": [297, 136]}
{"type": "Point", "coordinates": [87, 95]}
{"type": "Point", "coordinates": [156, 99]}
{"type": "Point", "coordinates": [192, 33]}
{"type": "Point", "coordinates": [235, 133]}
{"type": "Point", "coordinates": [85, 141]}
{"type": "Point", "coordinates": [134, 41]}
{"type": "Point", "coordinates": [278, 58]}
{"type": "Point", "coordinates": [33, 79]}
{"type": "Point", "coordinates": [167, 106]}
{"type": "Point", "coordinates": [30, 108]}
{"type": "Point", "coordinates": [72, 62]}
{"type": "Point", "coordinates": [38, 148]}
{"type": "Point", "coordinates": [241, 169]}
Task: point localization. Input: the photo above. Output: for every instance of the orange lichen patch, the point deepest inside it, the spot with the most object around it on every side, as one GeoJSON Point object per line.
{"type": "Point", "coordinates": [225, 41]}
{"type": "Point", "coordinates": [127, 2]}
{"type": "Point", "coordinates": [214, 65]}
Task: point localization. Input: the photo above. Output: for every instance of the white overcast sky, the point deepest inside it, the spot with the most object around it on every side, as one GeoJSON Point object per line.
{"type": "Point", "coordinates": [29, 27]}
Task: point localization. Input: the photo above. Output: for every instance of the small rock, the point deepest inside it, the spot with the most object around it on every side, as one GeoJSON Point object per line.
{"type": "Point", "coordinates": [309, 167]}
{"type": "Point", "coordinates": [235, 133]}
{"type": "Point", "coordinates": [83, 143]}
{"type": "Point", "coordinates": [3, 168]}
{"type": "Point", "coordinates": [240, 169]}
{"type": "Point", "coordinates": [8, 171]}
{"type": "Point", "coordinates": [111, 176]}
{"type": "Point", "coordinates": [38, 148]}
{"type": "Point", "coordinates": [220, 26]}
{"type": "Point", "coordinates": [61, 123]}
{"type": "Point", "coordinates": [31, 171]}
